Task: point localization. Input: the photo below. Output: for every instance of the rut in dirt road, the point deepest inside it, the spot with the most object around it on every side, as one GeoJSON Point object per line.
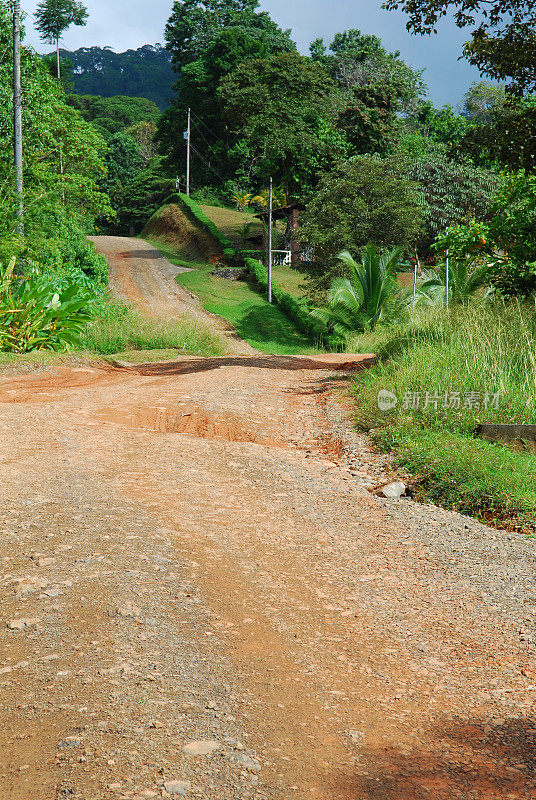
{"type": "Point", "coordinates": [201, 599]}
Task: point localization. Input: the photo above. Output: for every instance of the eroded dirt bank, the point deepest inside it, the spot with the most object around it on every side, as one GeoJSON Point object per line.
{"type": "Point", "coordinates": [188, 555]}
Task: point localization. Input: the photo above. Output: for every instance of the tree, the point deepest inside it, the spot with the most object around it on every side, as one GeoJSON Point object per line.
{"type": "Point", "coordinates": [503, 37]}
{"type": "Point", "coordinates": [504, 139]}
{"type": "Point", "coordinates": [53, 17]}
{"type": "Point", "coordinates": [143, 134]}
{"type": "Point", "coordinates": [360, 61]}
{"type": "Point", "coordinates": [366, 199]}
{"type": "Point", "coordinates": [142, 73]}
{"type": "Point", "coordinates": [451, 191]}
{"type": "Point", "coordinates": [110, 115]}
{"type": "Point", "coordinates": [441, 126]}
{"type": "Point", "coordinates": [225, 36]}
{"type": "Point", "coordinates": [482, 101]}
{"type": "Point", "coordinates": [48, 120]}
{"type": "Point", "coordinates": [193, 24]}
{"type": "Point", "coordinates": [281, 111]}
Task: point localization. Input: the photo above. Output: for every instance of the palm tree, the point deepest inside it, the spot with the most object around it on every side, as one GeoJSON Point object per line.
{"type": "Point", "coordinates": [53, 17]}
{"type": "Point", "coordinates": [359, 301]}
{"type": "Point", "coordinates": [466, 283]}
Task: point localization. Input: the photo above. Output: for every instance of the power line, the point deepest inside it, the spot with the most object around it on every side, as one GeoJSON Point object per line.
{"type": "Point", "coordinates": [207, 163]}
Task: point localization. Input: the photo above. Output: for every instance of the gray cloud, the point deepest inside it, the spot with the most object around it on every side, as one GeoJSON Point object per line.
{"type": "Point", "coordinates": [124, 25]}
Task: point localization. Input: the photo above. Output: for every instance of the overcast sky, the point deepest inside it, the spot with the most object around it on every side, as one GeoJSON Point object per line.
{"type": "Point", "coordinates": [124, 24]}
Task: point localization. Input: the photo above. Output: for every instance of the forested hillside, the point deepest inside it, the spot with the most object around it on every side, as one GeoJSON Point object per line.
{"type": "Point", "coordinates": [145, 72]}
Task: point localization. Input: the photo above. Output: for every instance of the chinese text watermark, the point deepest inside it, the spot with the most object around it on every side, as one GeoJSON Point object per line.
{"type": "Point", "coordinates": [438, 400]}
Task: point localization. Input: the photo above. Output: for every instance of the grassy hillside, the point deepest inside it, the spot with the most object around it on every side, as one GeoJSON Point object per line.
{"type": "Point", "coordinates": [232, 224]}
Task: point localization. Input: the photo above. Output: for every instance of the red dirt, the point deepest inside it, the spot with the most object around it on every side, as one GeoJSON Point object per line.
{"type": "Point", "coordinates": [197, 564]}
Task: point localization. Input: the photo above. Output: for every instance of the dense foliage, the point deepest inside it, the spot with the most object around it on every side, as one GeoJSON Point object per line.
{"type": "Point", "coordinates": [145, 72]}
{"type": "Point", "coordinates": [53, 187]}
{"type": "Point", "coordinates": [110, 115]}
{"type": "Point", "coordinates": [366, 199]}
{"type": "Point", "coordinates": [502, 34]}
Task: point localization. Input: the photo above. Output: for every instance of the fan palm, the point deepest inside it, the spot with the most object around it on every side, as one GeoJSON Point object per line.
{"type": "Point", "coordinates": [359, 301]}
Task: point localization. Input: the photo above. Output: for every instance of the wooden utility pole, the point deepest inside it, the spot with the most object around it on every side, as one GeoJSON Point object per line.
{"type": "Point", "coordinates": [188, 138]}
{"type": "Point", "coordinates": [270, 214]}
{"type": "Point", "coordinates": [17, 119]}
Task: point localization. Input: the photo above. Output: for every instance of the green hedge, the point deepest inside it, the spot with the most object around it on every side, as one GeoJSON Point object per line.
{"type": "Point", "coordinates": [201, 218]}
{"type": "Point", "coordinates": [293, 308]}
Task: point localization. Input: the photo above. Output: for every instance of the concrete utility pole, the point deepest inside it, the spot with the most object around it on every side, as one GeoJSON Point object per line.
{"type": "Point", "coordinates": [17, 118]}
{"type": "Point", "coordinates": [188, 139]}
{"type": "Point", "coordinates": [447, 282]}
{"type": "Point", "coordinates": [270, 213]}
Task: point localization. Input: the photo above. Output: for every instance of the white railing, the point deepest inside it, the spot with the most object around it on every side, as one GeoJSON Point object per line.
{"type": "Point", "coordinates": [281, 258]}
{"type": "Point", "coordinates": [284, 257]}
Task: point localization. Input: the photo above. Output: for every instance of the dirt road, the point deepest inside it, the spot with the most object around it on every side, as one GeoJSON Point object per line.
{"type": "Point", "coordinates": [200, 598]}
{"type": "Point", "coordinates": [139, 274]}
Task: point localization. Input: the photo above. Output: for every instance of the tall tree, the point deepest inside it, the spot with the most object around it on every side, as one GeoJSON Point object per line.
{"type": "Point", "coordinates": [503, 35]}
{"type": "Point", "coordinates": [54, 17]}
{"type": "Point", "coordinates": [482, 101]}
{"type": "Point", "coordinates": [366, 199]}
{"type": "Point", "coordinates": [194, 23]}
{"type": "Point", "coordinates": [282, 112]}
{"type": "Point", "coordinates": [359, 61]}
{"type": "Point", "coordinates": [208, 41]}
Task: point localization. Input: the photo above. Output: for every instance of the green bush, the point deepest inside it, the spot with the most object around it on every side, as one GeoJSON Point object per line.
{"type": "Point", "coordinates": [70, 258]}
{"type": "Point", "coordinates": [36, 314]}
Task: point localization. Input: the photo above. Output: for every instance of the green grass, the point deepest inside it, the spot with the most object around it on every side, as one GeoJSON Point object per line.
{"type": "Point", "coordinates": [118, 328]}
{"type": "Point", "coordinates": [481, 349]}
{"type": "Point", "coordinates": [264, 326]}
{"type": "Point", "coordinates": [260, 324]}
{"type": "Point", "coordinates": [231, 224]}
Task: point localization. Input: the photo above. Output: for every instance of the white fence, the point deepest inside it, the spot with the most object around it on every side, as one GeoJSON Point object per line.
{"type": "Point", "coordinates": [284, 257]}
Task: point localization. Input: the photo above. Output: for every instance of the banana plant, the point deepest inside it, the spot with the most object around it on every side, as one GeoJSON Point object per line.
{"type": "Point", "coordinates": [38, 315]}
{"type": "Point", "coordinates": [359, 301]}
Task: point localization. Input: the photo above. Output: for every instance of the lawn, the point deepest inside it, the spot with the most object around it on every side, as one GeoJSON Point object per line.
{"type": "Point", "coordinates": [264, 326]}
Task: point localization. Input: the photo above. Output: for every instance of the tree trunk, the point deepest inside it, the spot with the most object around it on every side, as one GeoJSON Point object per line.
{"type": "Point", "coordinates": [58, 58]}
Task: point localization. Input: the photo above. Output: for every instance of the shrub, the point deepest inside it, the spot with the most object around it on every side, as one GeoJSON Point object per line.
{"type": "Point", "coordinates": [36, 314]}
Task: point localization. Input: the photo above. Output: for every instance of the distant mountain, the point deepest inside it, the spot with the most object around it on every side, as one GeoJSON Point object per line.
{"type": "Point", "coordinates": [145, 72]}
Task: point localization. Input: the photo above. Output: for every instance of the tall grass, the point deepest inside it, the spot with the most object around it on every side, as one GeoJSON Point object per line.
{"type": "Point", "coordinates": [488, 350]}
{"type": "Point", "coordinates": [472, 353]}
{"type": "Point", "coordinates": [118, 327]}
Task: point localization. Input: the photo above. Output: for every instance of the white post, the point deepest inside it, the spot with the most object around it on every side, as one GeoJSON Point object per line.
{"type": "Point", "coordinates": [17, 118]}
{"type": "Point", "coordinates": [188, 154]}
{"type": "Point", "coordinates": [413, 300]}
{"type": "Point", "coordinates": [447, 281]}
{"type": "Point", "coordinates": [270, 241]}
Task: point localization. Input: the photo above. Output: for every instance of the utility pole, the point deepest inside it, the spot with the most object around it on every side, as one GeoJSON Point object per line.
{"type": "Point", "coordinates": [188, 138]}
{"type": "Point", "coordinates": [270, 213]}
{"type": "Point", "coordinates": [447, 282]}
{"type": "Point", "coordinates": [17, 118]}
